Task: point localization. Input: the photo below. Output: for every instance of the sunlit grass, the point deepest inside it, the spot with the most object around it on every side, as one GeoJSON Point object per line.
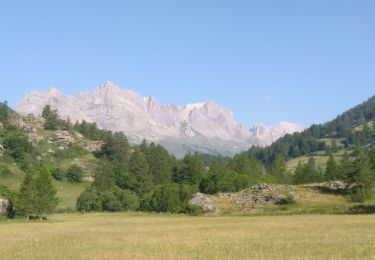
{"type": "Point", "coordinates": [142, 236]}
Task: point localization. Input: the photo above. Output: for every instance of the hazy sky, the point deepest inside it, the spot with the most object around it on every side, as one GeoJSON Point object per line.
{"type": "Point", "coordinates": [299, 61]}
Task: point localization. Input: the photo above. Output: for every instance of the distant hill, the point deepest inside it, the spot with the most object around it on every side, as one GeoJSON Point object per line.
{"type": "Point", "coordinates": [353, 128]}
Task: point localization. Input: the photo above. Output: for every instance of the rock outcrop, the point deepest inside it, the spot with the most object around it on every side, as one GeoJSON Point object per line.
{"type": "Point", "coordinates": [252, 199]}
{"type": "Point", "coordinates": [203, 201]}
{"type": "Point", "coordinates": [63, 137]}
{"type": "Point", "coordinates": [3, 206]}
{"type": "Point", "coordinates": [204, 127]}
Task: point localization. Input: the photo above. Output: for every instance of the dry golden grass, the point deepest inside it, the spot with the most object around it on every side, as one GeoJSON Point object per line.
{"type": "Point", "coordinates": [141, 236]}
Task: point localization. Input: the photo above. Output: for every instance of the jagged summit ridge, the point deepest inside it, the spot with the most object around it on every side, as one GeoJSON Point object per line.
{"type": "Point", "coordinates": [205, 127]}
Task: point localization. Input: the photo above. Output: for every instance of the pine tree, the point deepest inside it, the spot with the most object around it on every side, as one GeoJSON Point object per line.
{"type": "Point", "coordinates": [161, 164]}
{"type": "Point", "coordinates": [334, 146]}
{"type": "Point", "coordinates": [363, 178]}
{"type": "Point", "coordinates": [190, 170]}
{"type": "Point", "coordinates": [279, 169]}
{"type": "Point", "coordinates": [299, 173]}
{"type": "Point", "coordinates": [26, 197]}
{"type": "Point", "coordinates": [138, 178]}
{"type": "Point", "coordinates": [45, 193]}
{"type": "Point", "coordinates": [346, 168]}
{"type": "Point", "coordinates": [332, 169]}
{"type": "Point", "coordinates": [371, 155]}
{"type": "Point", "coordinates": [52, 118]}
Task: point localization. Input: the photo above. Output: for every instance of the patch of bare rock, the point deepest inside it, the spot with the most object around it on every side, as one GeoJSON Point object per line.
{"type": "Point", "coordinates": [262, 195]}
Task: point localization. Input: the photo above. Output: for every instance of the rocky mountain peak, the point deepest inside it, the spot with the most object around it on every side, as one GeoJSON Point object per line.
{"type": "Point", "coordinates": [108, 85]}
{"type": "Point", "coordinates": [53, 91]}
{"type": "Point", "coordinates": [204, 127]}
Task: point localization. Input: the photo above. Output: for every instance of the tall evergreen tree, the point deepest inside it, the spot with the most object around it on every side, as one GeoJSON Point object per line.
{"type": "Point", "coordinates": [279, 169]}
{"type": "Point", "coordinates": [332, 169]}
{"type": "Point", "coordinates": [190, 170]}
{"type": "Point", "coordinates": [45, 193]}
{"type": "Point", "coordinates": [26, 198]}
{"type": "Point", "coordinates": [363, 178]}
{"type": "Point", "coordinates": [138, 178]}
{"type": "Point", "coordinates": [248, 166]}
{"type": "Point", "coordinates": [334, 146]}
{"type": "Point", "coordinates": [346, 168]}
{"type": "Point", "coordinates": [161, 164]}
{"type": "Point", "coordinates": [299, 173]}
{"type": "Point", "coordinates": [51, 117]}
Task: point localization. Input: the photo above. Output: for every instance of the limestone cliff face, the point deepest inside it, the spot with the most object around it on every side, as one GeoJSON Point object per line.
{"type": "Point", "coordinates": [204, 127]}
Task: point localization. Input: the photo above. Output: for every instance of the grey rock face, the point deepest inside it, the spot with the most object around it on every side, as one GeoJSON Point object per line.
{"type": "Point", "coordinates": [3, 206]}
{"type": "Point", "coordinates": [62, 137]}
{"type": "Point", "coordinates": [203, 201]}
{"type": "Point", "coordinates": [204, 127]}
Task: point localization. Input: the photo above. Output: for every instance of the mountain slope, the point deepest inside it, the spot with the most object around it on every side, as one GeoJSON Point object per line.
{"type": "Point", "coordinates": [204, 127]}
{"type": "Point", "coordinates": [353, 128]}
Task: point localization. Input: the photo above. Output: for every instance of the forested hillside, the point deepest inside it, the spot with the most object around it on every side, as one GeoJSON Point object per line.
{"type": "Point", "coordinates": [354, 128]}
{"type": "Point", "coordinates": [85, 168]}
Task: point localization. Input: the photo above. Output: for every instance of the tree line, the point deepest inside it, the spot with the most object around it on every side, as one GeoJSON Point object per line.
{"type": "Point", "coordinates": [146, 177]}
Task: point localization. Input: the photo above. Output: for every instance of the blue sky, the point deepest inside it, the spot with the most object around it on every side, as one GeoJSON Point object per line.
{"type": "Point", "coordinates": [299, 61]}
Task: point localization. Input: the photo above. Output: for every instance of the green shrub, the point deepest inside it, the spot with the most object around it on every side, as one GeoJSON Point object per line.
{"type": "Point", "coordinates": [89, 201]}
{"type": "Point", "coordinates": [58, 174]}
{"type": "Point", "coordinates": [110, 202]}
{"type": "Point", "coordinates": [129, 200]}
{"type": "Point", "coordinates": [5, 171]}
{"type": "Point", "coordinates": [73, 151]}
{"type": "Point", "coordinates": [288, 199]}
{"type": "Point", "coordinates": [74, 174]}
{"type": "Point", "coordinates": [169, 198]}
{"type": "Point", "coordinates": [194, 210]}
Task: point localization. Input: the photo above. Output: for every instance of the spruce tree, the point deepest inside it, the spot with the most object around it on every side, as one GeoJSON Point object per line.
{"type": "Point", "coordinates": [363, 178]}
{"type": "Point", "coordinates": [26, 199]}
{"type": "Point", "coordinates": [299, 173]}
{"type": "Point", "coordinates": [190, 170]}
{"type": "Point", "coordinates": [45, 193]}
{"type": "Point", "coordinates": [334, 146]}
{"type": "Point", "coordinates": [52, 118]}
{"type": "Point", "coordinates": [346, 168]}
{"type": "Point", "coordinates": [138, 178]}
{"type": "Point", "coordinates": [279, 169]}
{"type": "Point", "coordinates": [332, 169]}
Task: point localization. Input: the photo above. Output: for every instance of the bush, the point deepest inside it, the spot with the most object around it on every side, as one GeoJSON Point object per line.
{"type": "Point", "coordinates": [74, 174]}
{"type": "Point", "coordinates": [89, 201]}
{"type": "Point", "coordinates": [172, 198]}
{"type": "Point", "coordinates": [359, 193]}
{"type": "Point", "coordinates": [194, 210]}
{"type": "Point", "coordinates": [73, 151]}
{"type": "Point", "coordinates": [287, 200]}
{"type": "Point", "coordinates": [110, 202]}
{"type": "Point", "coordinates": [129, 200]}
{"type": "Point", "coordinates": [58, 174]}
{"type": "Point", "coordinates": [362, 209]}
{"type": "Point", "coordinates": [5, 171]}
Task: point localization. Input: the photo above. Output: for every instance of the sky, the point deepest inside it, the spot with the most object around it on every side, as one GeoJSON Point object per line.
{"type": "Point", "coordinates": [266, 60]}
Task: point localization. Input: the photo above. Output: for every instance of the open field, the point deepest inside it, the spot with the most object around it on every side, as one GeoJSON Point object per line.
{"type": "Point", "coordinates": [141, 236]}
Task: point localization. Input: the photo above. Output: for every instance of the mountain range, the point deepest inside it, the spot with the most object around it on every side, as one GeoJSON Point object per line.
{"type": "Point", "coordinates": [203, 127]}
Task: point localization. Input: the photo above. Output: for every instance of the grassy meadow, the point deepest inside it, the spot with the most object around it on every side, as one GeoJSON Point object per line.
{"type": "Point", "coordinates": [146, 236]}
